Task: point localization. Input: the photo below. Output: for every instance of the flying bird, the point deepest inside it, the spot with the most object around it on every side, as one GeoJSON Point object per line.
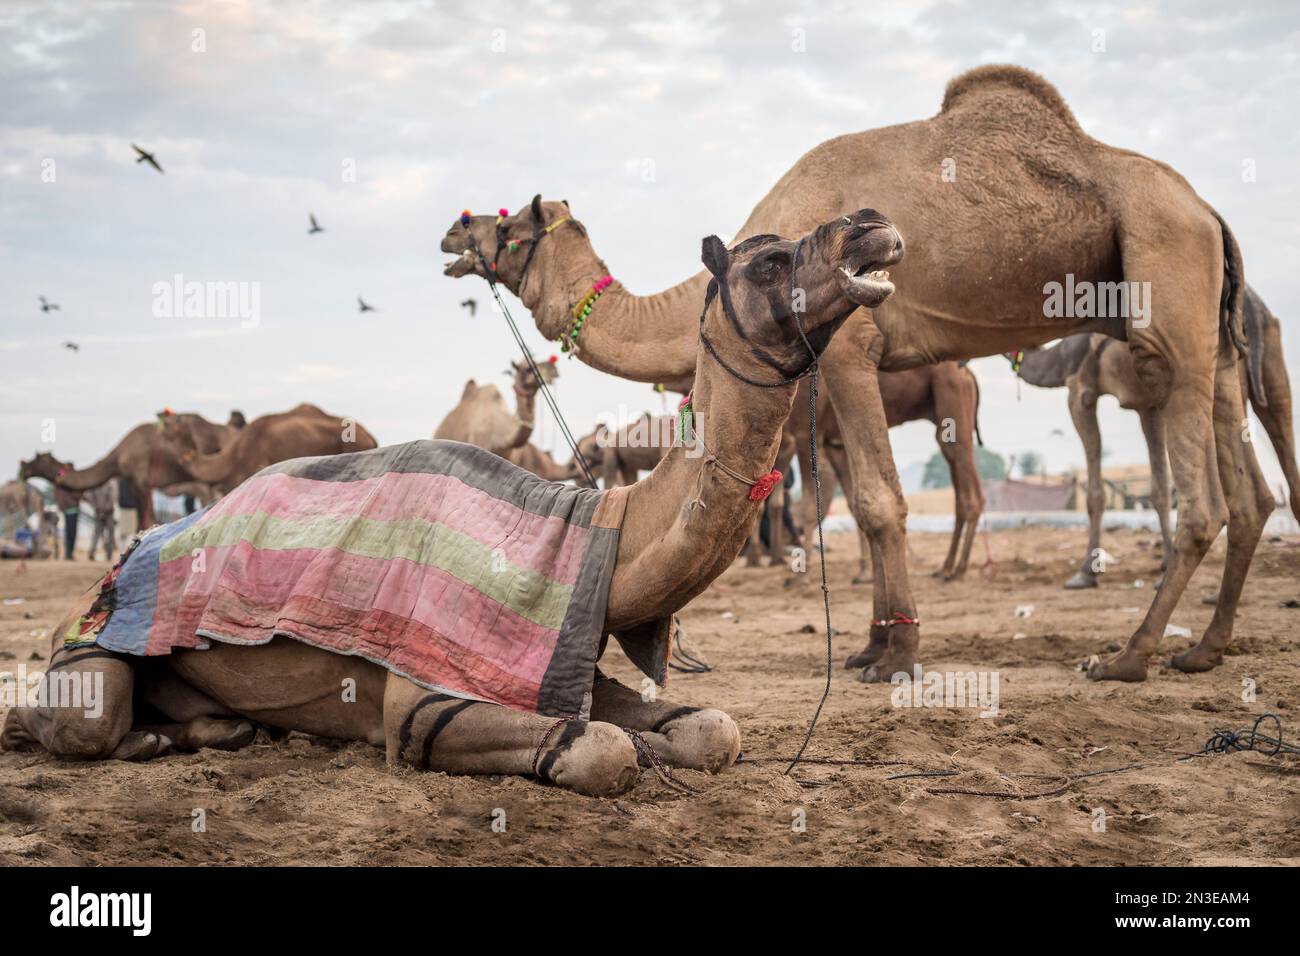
{"type": "Point", "coordinates": [47, 306]}
{"type": "Point", "coordinates": [72, 346]}
{"type": "Point", "coordinates": [364, 306]}
{"type": "Point", "coordinates": [472, 305]}
{"type": "Point", "coordinates": [315, 226]}
{"type": "Point", "coordinates": [146, 157]}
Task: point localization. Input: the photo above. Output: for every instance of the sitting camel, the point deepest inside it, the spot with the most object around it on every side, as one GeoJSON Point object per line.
{"type": "Point", "coordinates": [619, 455]}
{"type": "Point", "coordinates": [142, 459]}
{"type": "Point", "coordinates": [298, 433]}
{"type": "Point", "coordinates": [482, 418]}
{"type": "Point", "coordinates": [1091, 366]}
{"type": "Point", "coordinates": [526, 697]}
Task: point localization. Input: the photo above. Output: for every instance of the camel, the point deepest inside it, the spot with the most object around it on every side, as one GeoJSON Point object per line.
{"type": "Point", "coordinates": [482, 418]}
{"type": "Point", "coordinates": [1091, 366]}
{"type": "Point", "coordinates": [679, 529]}
{"type": "Point", "coordinates": [142, 458]}
{"type": "Point", "coordinates": [1007, 198]}
{"type": "Point", "coordinates": [619, 455]}
{"type": "Point", "coordinates": [302, 431]}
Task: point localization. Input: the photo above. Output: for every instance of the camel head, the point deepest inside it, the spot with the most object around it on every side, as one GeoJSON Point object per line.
{"type": "Point", "coordinates": [765, 280]}
{"type": "Point", "coordinates": [42, 465]}
{"type": "Point", "coordinates": [508, 243]}
{"type": "Point", "coordinates": [526, 383]}
{"type": "Point", "coordinates": [176, 435]}
{"type": "Point", "coordinates": [460, 241]}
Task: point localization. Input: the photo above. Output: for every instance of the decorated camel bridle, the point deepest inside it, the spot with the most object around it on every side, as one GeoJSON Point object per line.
{"type": "Point", "coordinates": [579, 311]}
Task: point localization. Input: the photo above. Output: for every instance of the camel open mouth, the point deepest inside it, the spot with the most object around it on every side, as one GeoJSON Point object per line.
{"type": "Point", "coordinates": [865, 286]}
{"type": "Point", "coordinates": [463, 265]}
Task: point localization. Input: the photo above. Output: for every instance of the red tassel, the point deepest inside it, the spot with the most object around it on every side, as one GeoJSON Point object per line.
{"type": "Point", "coordinates": [760, 489]}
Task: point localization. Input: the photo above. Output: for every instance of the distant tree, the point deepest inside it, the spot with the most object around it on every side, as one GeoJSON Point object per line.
{"type": "Point", "coordinates": [1031, 463]}
{"type": "Point", "coordinates": [990, 465]}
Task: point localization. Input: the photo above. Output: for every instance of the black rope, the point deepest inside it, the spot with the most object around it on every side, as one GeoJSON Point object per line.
{"type": "Point", "coordinates": [683, 660]}
{"type": "Point", "coordinates": [1226, 740]}
{"type": "Point", "coordinates": [532, 363]}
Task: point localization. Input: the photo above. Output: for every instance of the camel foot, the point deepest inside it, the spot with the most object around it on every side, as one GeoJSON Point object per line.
{"type": "Point", "coordinates": [1197, 659]}
{"type": "Point", "coordinates": [707, 740]}
{"type": "Point", "coordinates": [141, 745]}
{"type": "Point", "coordinates": [1124, 666]}
{"type": "Point", "coordinates": [217, 734]}
{"type": "Point", "coordinates": [596, 761]}
{"type": "Point", "coordinates": [1080, 581]}
{"type": "Point", "coordinates": [14, 737]}
{"type": "Point", "coordinates": [874, 650]}
{"type": "Point", "coordinates": [894, 661]}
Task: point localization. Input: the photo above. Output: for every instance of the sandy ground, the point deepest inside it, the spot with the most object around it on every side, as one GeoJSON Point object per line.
{"type": "Point", "coordinates": [309, 801]}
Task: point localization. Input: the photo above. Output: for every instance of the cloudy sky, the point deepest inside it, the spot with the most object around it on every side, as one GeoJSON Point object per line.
{"type": "Point", "coordinates": [387, 118]}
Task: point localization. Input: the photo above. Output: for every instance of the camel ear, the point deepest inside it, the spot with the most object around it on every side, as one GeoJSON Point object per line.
{"type": "Point", "coordinates": [566, 203]}
{"type": "Point", "coordinates": [470, 388]}
{"type": "Point", "coordinates": [714, 255]}
{"type": "Point", "coordinates": [537, 207]}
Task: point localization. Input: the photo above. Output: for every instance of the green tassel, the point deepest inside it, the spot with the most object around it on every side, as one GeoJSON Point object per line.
{"type": "Point", "coordinates": [685, 421]}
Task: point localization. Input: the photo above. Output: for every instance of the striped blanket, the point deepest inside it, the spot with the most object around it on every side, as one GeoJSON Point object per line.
{"type": "Point", "coordinates": [435, 559]}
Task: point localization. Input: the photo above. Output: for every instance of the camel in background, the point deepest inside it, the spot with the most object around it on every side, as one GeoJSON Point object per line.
{"type": "Point", "coordinates": [143, 459]}
{"type": "Point", "coordinates": [301, 432]}
{"type": "Point", "coordinates": [1004, 196]}
{"type": "Point", "coordinates": [482, 418]}
{"type": "Point", "coordinates": [1090, 366]}
{"type": "Point", "coordinates": [666, 554]}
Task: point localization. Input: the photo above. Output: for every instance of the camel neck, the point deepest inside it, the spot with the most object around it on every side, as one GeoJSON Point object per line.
{"type": "Point", "coordinates": [83, 479]}
{"type": "Point", "coordinates": [646, 338]}
{"type": "Point", "coordinates": [687, 521]}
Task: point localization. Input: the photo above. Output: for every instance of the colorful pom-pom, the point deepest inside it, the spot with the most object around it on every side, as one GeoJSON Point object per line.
{"type": "Point", "coordinates": [465, 217]}
{"type": "Point", "coordinates": [503, 212]}
{"type": "Point", "coordinates": [760, 489]}
{"type": "Point", "coordinates": [553, 359]}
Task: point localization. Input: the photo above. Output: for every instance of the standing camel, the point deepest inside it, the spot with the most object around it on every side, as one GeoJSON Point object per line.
{"type": "Point", "coordinates": [302, 431]}
{"type": "Point", "coordinates": [482, 418]}
{"type": "Point", "coordinates": [142, 458]}
{"type": "Point", "coordinates": [1090, 366]}
{"type": "Point", "coordinates": [1005, 197]}
{"type": "Point", "coordinates": [644, 552]}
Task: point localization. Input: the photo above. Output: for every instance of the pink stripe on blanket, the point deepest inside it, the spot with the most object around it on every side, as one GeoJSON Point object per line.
{"type": "Point", "coordinates": [522, 537]}
{"type": "Point", "coordinates": [253, 592]}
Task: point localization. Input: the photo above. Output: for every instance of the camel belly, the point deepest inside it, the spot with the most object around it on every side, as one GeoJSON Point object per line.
{"type": "Point", "coordinates": [291, 685]}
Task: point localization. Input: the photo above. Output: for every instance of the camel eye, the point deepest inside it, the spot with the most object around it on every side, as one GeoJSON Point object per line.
{"type": "Point", "coordinates": [767, 268]}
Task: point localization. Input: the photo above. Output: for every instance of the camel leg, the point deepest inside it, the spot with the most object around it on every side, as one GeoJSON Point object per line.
{"type": "Point", "coordinates": [696, 738]}
{"type": "Point", "coordinates": [839, 462]}
{"type": "Point", "coordinates": [437, 732]}
{"type": "Point", "coordinates": [1174, 355]}
{"type": "Point", "coordinates": [850, 367]}
{"type": "Point", "coordinates": [98, 732]}
{"type": "Point", "coordinates": [1276, 415]}
{"type": "Point", "coordinates": [1249, 502]}
{"type": "Point", "coordinates": [776, 525]}
{"type": "Point", "coordinates": [1083, 409]}
{"type": "Point", "coordinates": [959, 495]}
{"type": "Point", "coordinates": [1153, 428]}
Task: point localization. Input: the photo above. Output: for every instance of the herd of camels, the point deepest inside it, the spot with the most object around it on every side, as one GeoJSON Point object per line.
{"type": "Point", "coordinates": [981, 207]}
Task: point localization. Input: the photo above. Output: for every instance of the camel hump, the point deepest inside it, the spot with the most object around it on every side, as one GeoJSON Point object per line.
{"type": "Point", "coordinates": [1000, 76]}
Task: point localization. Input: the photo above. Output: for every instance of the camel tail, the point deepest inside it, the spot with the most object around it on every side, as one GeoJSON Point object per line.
{"type": "Point", "coordinates": [1232, 311]}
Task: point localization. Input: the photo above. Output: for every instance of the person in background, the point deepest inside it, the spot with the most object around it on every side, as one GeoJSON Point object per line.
{"type": "Point", "coordinates": [103, 501]}
{"type": "Point", "coordinates": [68, 502]}
{"type": "Point", "coordinates": [47, 536]}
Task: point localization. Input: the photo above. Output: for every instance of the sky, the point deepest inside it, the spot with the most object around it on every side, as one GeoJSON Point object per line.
{"type": "Point", "coordinates": [660, 122]}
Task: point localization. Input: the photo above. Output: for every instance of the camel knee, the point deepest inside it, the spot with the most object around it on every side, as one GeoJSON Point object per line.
{"type": "Point", "coordinates": [703, 740]}
{"type": "Point", "coordinates": [79, 737]}
{"type": "Point", "coordinates": [879, 514]}
{"type": "Point", "coordinates": [1197, 531]}
{"type": "Point", "coordinates": [593, 758]}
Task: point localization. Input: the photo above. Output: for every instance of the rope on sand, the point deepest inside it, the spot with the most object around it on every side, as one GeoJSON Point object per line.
{"type": "Point", "coordinates": [1223, 741]}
